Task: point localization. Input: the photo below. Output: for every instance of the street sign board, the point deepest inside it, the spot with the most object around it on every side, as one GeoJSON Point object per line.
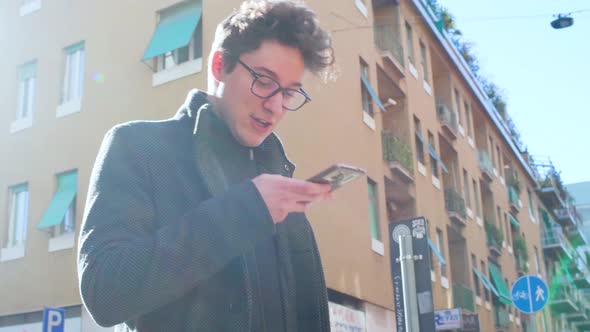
{"type": "Point", "coordinates": [53, 320]}
{"type": "Point", "coordinates": [416, 228]}
{"type": "Point", "coordinates": [529, 294]}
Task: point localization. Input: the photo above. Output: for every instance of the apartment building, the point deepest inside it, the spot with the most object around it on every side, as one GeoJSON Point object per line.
{"type": "Point", "coordinates": [405, 108]}
{"type": "Point", "coordinates": [565, 244]}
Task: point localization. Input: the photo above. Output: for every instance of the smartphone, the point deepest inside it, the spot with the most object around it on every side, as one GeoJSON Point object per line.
{"type": "Point", "coordinates": [338, 175]}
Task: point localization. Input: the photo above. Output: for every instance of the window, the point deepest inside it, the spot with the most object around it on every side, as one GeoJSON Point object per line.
{"type": "Point", "coordinates": [176, 57]}
{"type": "Point", "coordinates": [419, 143]}
{"type": "Point", "coordinates": [433, 161]}
{"type": "Point", "coordinates": [410, 43]}
{"type": "Point", "coordinates": [441, 247]}
{"type": "Point", "coordinates": [17, 224]}
{"type": "Point", "coordinates": [466, 189]}
{"type": "Point", "coordinates": [476, 197]}
{"type": "Point", "coordinates": [73, 74]}
{"type": "Point", "coordinates": [468, 119]}
{"type": "Point", "coordinates": [498, 157]}
{"type": "Point", "coordinates": [366, 95]}
{"type": "Point", "coordinates": [175, 49]}
{"type": "Point", "coordinates": [531, 208]}
{"type": "Point", "coordinates": [474, 276]}
{"type": "Point", "coordinates": [26, 95]}
{"type": "Point", "coordinates": [60, 216]}
{"type": "Point", "coordinates": [424, 62]}
{"type": "Point", "coordinates": [492, 150]}
{"type": "Point", "coordinates": [499, 219]}
{"type": "Point", "coordinates": [374, 211]}
{"type": "Point", "coordinates": [458, 107]}
{"type": "Point", "coordinates": [484, 271]}
{"type": "Point", "coordinates": [508, 228]}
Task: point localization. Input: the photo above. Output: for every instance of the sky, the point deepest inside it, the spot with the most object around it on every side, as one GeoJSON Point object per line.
{"type": "Point", "coordinates": [544, 72]}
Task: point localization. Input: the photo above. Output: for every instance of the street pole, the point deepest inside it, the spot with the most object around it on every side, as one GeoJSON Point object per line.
{"type": "Point", "coordinates": [409, 283]}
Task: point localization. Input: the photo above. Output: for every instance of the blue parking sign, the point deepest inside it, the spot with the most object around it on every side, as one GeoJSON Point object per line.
{"type": "Point", "coordinates": [53, 320]}
{"type": "Point", "coordinates": [530, 294]}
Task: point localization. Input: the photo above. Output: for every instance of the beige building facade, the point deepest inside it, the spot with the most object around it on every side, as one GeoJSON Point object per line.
{"type": "Point", "coordinates": [404, 107]}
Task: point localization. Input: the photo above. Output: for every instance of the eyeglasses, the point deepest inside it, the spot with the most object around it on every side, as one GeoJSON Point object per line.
{"type": "Point", "coordinates": [265, 87]}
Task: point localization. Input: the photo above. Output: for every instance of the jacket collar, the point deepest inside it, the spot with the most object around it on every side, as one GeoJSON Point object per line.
{"type": "Point", "coordinates": [270, 154]}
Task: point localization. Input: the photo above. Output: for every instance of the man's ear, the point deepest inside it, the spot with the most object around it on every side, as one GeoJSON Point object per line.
{"type": "Point", "coordinates": [217, 66]}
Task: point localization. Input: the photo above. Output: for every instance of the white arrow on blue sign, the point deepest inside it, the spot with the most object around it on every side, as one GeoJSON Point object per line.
{"type": "Point", "coordinates": [530, 294]}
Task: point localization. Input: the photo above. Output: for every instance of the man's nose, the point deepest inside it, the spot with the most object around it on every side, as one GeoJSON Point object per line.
{"type": "Point", "coordinates": [275, 103]}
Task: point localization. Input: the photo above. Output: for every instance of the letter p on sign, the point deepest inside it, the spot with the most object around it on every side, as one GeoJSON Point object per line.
{"type": "Point", "coordinates": [53, 320]}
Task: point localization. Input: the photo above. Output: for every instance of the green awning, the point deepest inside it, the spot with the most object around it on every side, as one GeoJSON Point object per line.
{"type": "Point", "coordinates": [74, 48]}
{"type": "Point", "coordinates": [513, 221]}
{"type": "Point", "coordinates": [485, 282]}
{"type": "Point", "coordinates": [372, 92]}
{"type": "Point", "coordinates": [28, 70]}
{"type": "Point", "coordinates": [504, 293]}
{"type": "Point", "coordinates": [436, 252]}
{"type": "Point", "coordinates": [67, 186]}
{"type": "Point", "coordinates": [175, 29]}
{"type": "Point", "coordinates": [432, 152]}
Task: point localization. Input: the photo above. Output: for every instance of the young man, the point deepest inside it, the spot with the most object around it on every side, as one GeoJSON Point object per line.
{"type": "Point", "coordinates": [194, 223]}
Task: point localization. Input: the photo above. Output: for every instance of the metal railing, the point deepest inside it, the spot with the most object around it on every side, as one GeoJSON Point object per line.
{"type": "Point", "coordinates": [388, 39]}
{"type": "Point", "coordinates": [463, 297]}
{"type": "Point", "coordinates": [485, 163]}
{"type": "Point", "coordinates": [501, 317]}
{"type": "Point", "coordinates": [395, 150]}
{"type": "Point", "coordinates": [446, 117]}
{"type": "Point", "coordinates": [454, 202]}
{"type": "Point", "coordinates": [554, 237]}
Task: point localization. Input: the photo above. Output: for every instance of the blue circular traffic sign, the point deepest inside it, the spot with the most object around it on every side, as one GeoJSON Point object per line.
{"type": "Point", "coordinates": [529, 294]}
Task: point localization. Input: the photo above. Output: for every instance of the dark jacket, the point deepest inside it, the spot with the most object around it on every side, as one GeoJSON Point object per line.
{"type": "Point", "coordinates": [167, 240]}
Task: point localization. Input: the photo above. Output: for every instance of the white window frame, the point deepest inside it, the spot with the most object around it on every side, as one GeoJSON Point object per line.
{"type": "Point", "coordinates": [176, 70]}
{"type": "Point", "coordinates": [26, 102]}
{"type": "Point", "coordinates": [17, 223]}
{"type": "Point", "coordinates": [73, 81]}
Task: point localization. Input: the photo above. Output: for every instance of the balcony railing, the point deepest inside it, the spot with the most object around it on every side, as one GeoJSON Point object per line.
{"type": "Point", "coordinates": [568, 215]}
{"type": "Point", "coordinates": [454, 203]}
{"type": "Point", "coordinates": [388, 39]}
{"type": "Point", "coordinates": [551, 191]}
{"type": "Point", "coordinates": [513, 198]}
{"type": "Point", "coordinates": [397, 151]}
{"type": "Point", "coordinates": [463, 297]}
{"type": "Point", "coordinates": [554, 238]}
{"type": "Point", "coordinates": [485, 163]}
{"type": "Point", "coordinates": [448, 119]}
{"type": "Point", "coordinates": [501, 317]}
{"type": "Point", "coordinates": [564, 297]}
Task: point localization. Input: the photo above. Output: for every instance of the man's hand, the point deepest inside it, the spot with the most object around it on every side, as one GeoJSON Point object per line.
{"type": "Point", "coordinates": [284, 195]}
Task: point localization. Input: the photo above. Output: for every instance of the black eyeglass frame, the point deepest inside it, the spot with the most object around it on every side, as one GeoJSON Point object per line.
{"type": "Point", "coordinates": [279, 89]}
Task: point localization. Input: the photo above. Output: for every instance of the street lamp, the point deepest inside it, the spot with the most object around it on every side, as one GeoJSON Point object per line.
{"type": "Point", "coordinates": [562, 21]}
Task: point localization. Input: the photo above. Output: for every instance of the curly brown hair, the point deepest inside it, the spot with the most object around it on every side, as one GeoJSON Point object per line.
{"type": "Point", "coordinates": [289, 22]}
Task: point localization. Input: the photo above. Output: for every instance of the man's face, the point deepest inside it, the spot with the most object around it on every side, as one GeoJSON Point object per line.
{"type": "Point", "coordinates": [250, 118]}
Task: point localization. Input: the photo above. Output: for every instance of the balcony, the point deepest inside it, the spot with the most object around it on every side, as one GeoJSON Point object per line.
{"type": "Point", "coordinates": [399, 156]}
{"type": "Point", "coordinates": [576, 235]}
{"type": "Point", "coordinates": [567, 216]}
{"type": "Point", "coordinates": [583, 309]}
{"type": "Point", "coordinates": [485, 164]}
{"type": "Point", "coordinates": [521, 265]}
{"type": "Point", "coordinates": [463, 297]}
{"type": "Point", "coordinates": [513, 199]}
{"type": "Point", "coordinates": [555, 241]}
{"type": "Point", "coordinates": [551, 191]}
{"type": "Point", "coordinates": [455, 206]}
{"type": "Point", "coordinates": [501, 318]}
{"type": "Point", "coordinates": [388, 41]}
{"type": "Point", "coordinates": [563, 298]}
{"type": "Point", "coordinates": [494, 239]}
{"type": "Point", "coordinates": [448, 120]}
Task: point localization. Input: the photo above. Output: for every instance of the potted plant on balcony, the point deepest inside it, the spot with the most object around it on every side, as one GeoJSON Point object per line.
{"type": "Point", "coordinates": [512, 180]}
{"type": "Point", "coordinates": [520, 250]}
